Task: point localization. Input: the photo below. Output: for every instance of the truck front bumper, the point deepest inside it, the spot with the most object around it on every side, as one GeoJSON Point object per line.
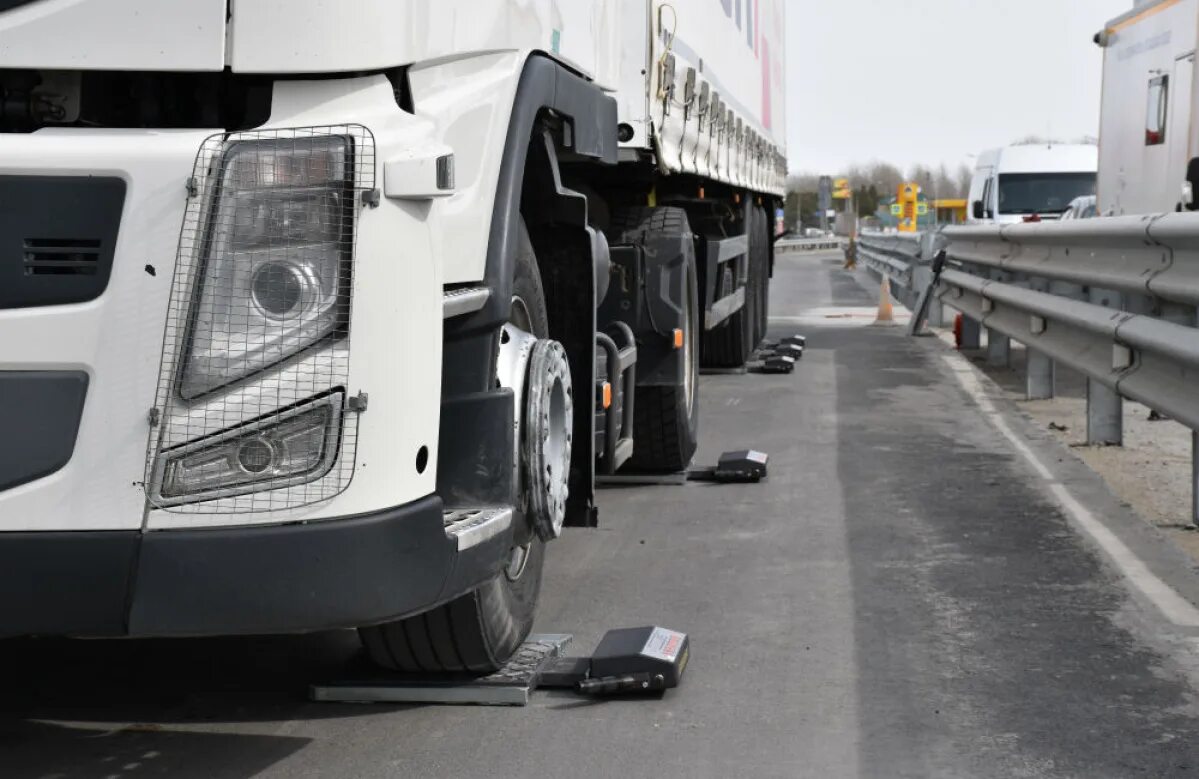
{"type": "Point", "coordinates": [340, 573]}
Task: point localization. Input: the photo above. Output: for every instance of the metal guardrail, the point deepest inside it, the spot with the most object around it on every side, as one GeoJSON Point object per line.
{"type": "Point", "coordinates": [807, 245]}
{"type": "Point", "coordinates": [1114, 298]}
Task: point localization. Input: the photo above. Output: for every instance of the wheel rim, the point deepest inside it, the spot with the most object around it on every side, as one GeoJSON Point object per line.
{"type": "Point", "coordinates": [547, 438]}
{"type": "Point", "coordinates": [537, 371]}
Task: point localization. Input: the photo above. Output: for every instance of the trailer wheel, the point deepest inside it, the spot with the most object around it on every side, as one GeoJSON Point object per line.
{"type": "Point", "coordinates": [666, 418]}
{"type": "Point", "coordinates": [759, 264]}
{"type": "Point", "coordinates": [478, 632]}
{"type": "Point", "coordinates": [731, 343]}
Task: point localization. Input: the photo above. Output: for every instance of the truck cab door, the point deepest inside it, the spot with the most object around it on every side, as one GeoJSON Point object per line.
{"type": "Point", "coordinates": [1178, 135]}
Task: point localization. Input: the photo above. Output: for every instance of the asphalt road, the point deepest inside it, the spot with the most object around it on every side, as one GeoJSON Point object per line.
{"type": "Point", "coordinates": [902, 598]}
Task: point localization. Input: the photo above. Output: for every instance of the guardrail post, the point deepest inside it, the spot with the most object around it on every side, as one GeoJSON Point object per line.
{"type": "Point", "coordinates": [1105, 407]}
{"type": "Point", "coordinates": [1178, 314]}
{"type": "Point", "coordinates": [971, 333]}
{"type": "Point", "coordinates": [999, 348]}
{"type": "Point", "coordinates": [1105, 416]}
{"type": "Point", "coordinates": [1041, 376]}
{"type": "Point", "coordinates": [1040, 372]}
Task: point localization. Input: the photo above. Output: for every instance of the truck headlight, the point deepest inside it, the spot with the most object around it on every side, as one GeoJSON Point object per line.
{"type": "Point", "coordinates": [274, 260]}
{"type": "Point", "coordinates": [294, 447]}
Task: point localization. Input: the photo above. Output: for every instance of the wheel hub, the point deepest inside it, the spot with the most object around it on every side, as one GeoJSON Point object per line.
{"type": "Point", "coordinates": [547, 437]}
{"type": "Point", "coordinates": [538, 372]}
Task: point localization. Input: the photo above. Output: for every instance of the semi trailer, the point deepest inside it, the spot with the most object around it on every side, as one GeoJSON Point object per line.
{"type": "Point", "coordinates": [325, 315]}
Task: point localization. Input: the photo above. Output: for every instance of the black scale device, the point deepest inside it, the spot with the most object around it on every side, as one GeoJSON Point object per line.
{"type": "Point", "coordinates": [628, 661]}
{"type": "Point", "coordinates": [778, 356]}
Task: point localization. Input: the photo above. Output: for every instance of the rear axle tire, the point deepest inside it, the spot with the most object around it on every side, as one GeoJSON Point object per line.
{"type": "Point", "coordinates": [759, 272]}
{"type": "Point", "coordinates": [666, 418]}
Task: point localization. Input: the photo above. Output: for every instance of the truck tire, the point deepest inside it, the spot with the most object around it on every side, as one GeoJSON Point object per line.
{"type": "Point", "coordinates": [665, 418]}
{"type": "Point", "coordinates": [759, 264]}
{"type": "Point", "coordinates": [477, 632]}
{"type": "Point", "coordinates": [732, 342]}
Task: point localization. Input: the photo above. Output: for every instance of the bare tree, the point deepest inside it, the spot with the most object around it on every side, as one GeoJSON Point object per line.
{"type": "Point", "coordinates": [964, 178]}
{"type": "Point", "coordinates": [885, 179]}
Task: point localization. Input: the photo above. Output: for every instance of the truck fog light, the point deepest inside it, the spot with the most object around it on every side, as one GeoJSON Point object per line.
{"type": "Point", "coordinates": [294, 447]}
{"type": "Point", "coordinates": [255, 455]}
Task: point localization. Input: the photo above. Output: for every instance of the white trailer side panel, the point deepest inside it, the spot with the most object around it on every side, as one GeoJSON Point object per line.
{"type": "Point", "coordinates": [736, 49]}
{"type": "Point", "coordinates": [1148, 44]}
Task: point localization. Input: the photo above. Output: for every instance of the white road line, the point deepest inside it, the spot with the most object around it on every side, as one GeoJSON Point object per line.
{"type": "Point", "coordinates": [1164, 598]}
{"type": "Point", "coordinates": [967, 376]}
{"type": "Point", "coordinates": [839, 316]}
{"type": "Point", "coordinates": [1176, 608]}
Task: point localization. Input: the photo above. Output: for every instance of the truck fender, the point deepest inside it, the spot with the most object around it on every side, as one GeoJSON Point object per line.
{"type": "Point", "coordinates": [556, 218]}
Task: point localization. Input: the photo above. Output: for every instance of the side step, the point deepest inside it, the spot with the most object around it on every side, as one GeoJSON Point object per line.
{"type": "Point", "coordinates": [463, 300]}
{"type": "Point", "coordinates": [471, 527]}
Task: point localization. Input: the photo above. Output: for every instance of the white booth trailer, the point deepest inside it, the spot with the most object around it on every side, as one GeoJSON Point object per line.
{"type": "Point", "coordinates": [1148, 133]}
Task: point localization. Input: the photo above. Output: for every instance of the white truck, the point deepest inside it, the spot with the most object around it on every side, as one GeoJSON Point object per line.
{"type": "Point", "coordinates": [325, 315]}
{"type": "Point", "coordinates": [1149, 135]}
{"type": "Point", "coordinates": [1030, 181]}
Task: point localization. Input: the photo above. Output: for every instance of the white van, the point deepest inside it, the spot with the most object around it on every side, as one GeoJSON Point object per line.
{"type": "Point", "coordinates": [1015, 183]}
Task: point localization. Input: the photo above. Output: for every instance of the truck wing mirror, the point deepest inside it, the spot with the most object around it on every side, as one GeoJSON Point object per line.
{"type": "Point", "coordinates": [1192, 185]}
{"type": "Point", "coordinates": [979, 213]}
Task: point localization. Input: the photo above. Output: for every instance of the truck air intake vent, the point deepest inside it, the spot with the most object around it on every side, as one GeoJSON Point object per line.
{"type": "Point", "coordinates": [58, 238]}
{"type": "Point", "coordinates": [61, 257]}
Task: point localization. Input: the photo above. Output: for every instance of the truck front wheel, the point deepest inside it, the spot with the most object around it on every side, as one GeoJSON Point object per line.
{"type": "Point", "coordinates": [478, 632]}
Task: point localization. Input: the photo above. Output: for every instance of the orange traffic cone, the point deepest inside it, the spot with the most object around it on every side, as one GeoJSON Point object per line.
{"type": "Point", "coordinates": [886, 313]}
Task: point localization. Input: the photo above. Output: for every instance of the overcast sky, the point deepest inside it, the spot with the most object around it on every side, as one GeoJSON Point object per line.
{"type": "Point", "coordinates": [930, 81]}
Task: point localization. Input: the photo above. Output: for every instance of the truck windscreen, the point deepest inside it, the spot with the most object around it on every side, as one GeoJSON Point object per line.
{"type": "Point", "coordinates": [1042, 193]}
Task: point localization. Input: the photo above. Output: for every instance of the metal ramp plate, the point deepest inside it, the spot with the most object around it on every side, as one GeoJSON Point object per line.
{"type": "Point", "coordinates": [509, 686]}
{"type": "Point", "coordinates": [629, 479]}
